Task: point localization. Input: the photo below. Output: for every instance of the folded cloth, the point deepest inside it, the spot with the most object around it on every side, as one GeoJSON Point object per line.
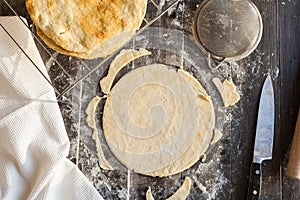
{"type": "Point", "coordinates": [33, 139]}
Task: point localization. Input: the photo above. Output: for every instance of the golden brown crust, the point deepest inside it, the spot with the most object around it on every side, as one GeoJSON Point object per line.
{"type": "Point", "coordinates": [50, 43]}
{"type": "Point", "coordinates": [82, 26]}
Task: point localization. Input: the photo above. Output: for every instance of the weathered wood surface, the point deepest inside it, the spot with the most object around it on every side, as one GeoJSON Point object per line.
{"type": "Point", "coordinates": [279, 51]}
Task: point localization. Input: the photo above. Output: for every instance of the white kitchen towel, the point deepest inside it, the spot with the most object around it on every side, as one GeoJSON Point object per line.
{"type": "Point", "coordinates": [33, 139]}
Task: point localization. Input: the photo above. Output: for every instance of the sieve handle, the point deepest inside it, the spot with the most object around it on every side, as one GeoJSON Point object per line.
{"type": "Point", "coordinates": [293, 169]}
{"type": "Point", "coordinates": [218, 65]}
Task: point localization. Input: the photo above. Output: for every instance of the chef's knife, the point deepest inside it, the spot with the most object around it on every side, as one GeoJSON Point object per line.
{"type": "Point", "coordinates": [263, 145]}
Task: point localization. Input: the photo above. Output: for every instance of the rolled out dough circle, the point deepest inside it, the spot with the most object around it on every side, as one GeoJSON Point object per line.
{"type": "Point", "coordinates": [158, 121]}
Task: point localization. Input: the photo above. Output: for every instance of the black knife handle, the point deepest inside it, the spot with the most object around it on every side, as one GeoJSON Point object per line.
{"type": "Point", "coordinates": [254, 182]}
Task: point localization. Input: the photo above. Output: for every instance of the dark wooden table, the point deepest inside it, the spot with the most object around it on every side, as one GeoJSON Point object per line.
{"type": "Point", "coordinates": [278, 54]}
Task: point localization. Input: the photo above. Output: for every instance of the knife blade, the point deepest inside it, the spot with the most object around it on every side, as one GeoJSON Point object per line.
{"type": "Point", "coordinates": [263, 146]}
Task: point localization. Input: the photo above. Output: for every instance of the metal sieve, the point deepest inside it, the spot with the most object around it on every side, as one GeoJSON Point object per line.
{"type": "Point", "coordinates": [228, 30]}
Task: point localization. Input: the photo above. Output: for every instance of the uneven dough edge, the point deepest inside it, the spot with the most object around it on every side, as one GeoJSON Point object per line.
{"type": "Point", "coordinates": [217, 136]}
{"type": "Point", "coordinates": [183, 190]}
{"type": "Point", "coordinates": [110, 45]}
{"type": "Point", "coordinates": [149, 195]}
{"type": "Point", "coordinates": [90, 119]}
{"type": "Point", "coordinates": [122, 59]}
{"type": "Point", "coordinates": [111, 128]}
{"type": "Point", "coordinates": [228, 92]}
{"type": "Point", "coordinates": [201, 97]}
{"type": "Point", "coordinates": [181, 193]}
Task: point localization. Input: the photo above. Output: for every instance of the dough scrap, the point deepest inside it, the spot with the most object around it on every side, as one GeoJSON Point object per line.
{"type": "Point", "coordinates": [183, 191]}
{"type": "Point", "coordinates": [125, 57]}
{"type": "Point", "coordinates": [217, 136]}
{"type": "Point", "coordinates": [228, 92]}
{"type": "Point", "coordinates": [90, 119]}
{"type": "Point", "coordinates": [136, 142]}
{"type": "Point", "coordinates": [149, 195]}
{"type": "Point", "coordinates": [87, 28]}
{"type": "Point", "coordinates": [181, 194]}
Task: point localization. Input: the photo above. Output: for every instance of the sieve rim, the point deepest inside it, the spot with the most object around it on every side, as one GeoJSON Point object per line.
{"type": "Point", "coordinates": [242, 55]}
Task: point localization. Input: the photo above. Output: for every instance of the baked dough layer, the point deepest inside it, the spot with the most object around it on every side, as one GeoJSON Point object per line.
{"type": "Point", "coordinates": [158, 121]}
{"type": "Point", "coordinates": [86, 28]}
{"type": "Point", "coordinates": [107, 48]}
